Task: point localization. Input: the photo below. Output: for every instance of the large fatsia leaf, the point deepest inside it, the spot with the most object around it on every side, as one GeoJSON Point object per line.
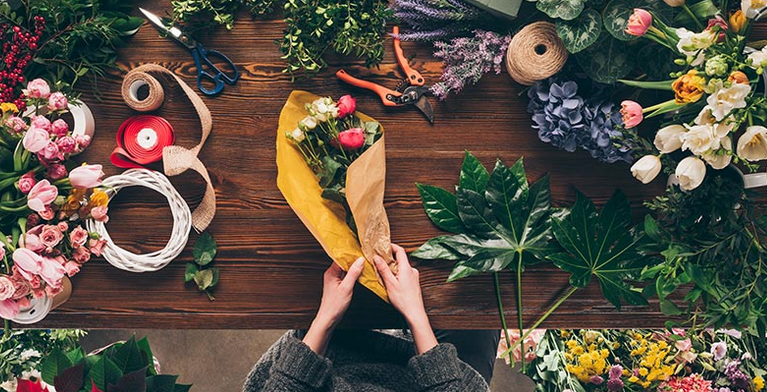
{"type": "Point", "coordinates": [602, 245]}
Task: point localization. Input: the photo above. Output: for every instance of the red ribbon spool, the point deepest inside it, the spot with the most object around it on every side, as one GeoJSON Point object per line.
{"type": "Point", "coordinates": [140, 141]}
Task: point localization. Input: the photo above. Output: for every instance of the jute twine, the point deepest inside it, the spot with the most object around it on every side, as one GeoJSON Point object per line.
{"type": "Point", "coordinates": [535, 53]}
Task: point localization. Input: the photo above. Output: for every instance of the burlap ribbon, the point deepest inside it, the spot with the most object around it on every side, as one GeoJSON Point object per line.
{"type": "Point", "coordinates": [177, 159]}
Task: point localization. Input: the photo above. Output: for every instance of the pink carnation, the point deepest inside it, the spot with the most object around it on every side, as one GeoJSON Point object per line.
{"type": "Point", "coordinates": [692, 383]}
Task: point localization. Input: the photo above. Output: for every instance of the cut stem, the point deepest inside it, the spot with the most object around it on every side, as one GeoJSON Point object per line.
{"type": "Point", "coordinates": [519, 309]}
{"type": "Point", "coordinates": [503, 317]}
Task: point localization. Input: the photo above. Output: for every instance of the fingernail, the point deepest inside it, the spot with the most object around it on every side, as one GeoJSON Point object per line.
{"type": "Point", "coordinates": [377, 259]}
{"type": "Point", "coordinates": [359, 262]}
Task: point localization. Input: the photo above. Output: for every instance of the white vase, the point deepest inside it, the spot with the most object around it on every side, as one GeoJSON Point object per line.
{"type": "Point", "coordinates": [39, 308]}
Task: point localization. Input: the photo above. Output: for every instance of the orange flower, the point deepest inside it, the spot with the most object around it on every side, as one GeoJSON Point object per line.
{"type": "Point", "coordinates": [738, 77]}
{"type": "Point", "coordinates": [737, 21]}
{"type": "Point", "coordinates": [688, 88]}
{"type": "Point", "coordinates": [99, 198]}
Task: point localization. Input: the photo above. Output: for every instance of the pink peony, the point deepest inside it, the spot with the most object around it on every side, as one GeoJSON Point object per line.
{"type": "Point", "coordinates": [78, 237]}
{"type": "Point", "coordinates": [16, 124]}
{"type": "Point", "coordinates": [346, 105]}
{"type": "Point", "coordinates": [352, 139]}
{"type": "Point", "coordinates": [51, 271]}
{"type": "Point", "coordinates": [36, 139]}
{"type": "Point", "coordinates": [83, 141]}
{"type": "Point", "coordinates": [72, 268]}
{"type": "Point", "coordinates": [67, 144]}
{"type": "Point", "coordinates": [27, 262]}
{"type": "Point", "coordinates": [81, 255]}
{"type": "Point", "coordinates": [99, 214]}
{"type": "Point", "coordinates": [7, 288]}
{"type": "Point", "coordinates": [57, 101]}
{"type": "Point", "coordinates": [9, 309]}
{"type": "Point", "coordinates": [27, 182]}
{"type": "Point", "coordinates": [632, 113]}
{"type": "Point", "coordinates": [86, 176]}
{"type": "Point", "coordinates": [531, 342]}
{"type": "Point", "coordinates": [41, 122]}
{"type": "Point", "coordinates": [38, 88]}
{"type": "Point", "coordinates": [51, 152]}
{"type": "Point", "coordinates": [96, 246]}
{"type": "Point", "coordinates": [59, 128]}
{"type": "Point", "coordinates": [47, 213]}
{"type": "Point", "coordinates": [639, 22]}
{"type": "Point", "coordinates": [41, 196]}
{"type": "Point", "coordinates": [57, 171]}
{"type": "Point", "coordinates": [51, 236]}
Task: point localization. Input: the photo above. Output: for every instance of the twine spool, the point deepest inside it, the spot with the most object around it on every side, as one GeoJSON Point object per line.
{"type": "Point", "coordinates": [535, 53]}
{"type": "Point", "coordinates": [133, 82]}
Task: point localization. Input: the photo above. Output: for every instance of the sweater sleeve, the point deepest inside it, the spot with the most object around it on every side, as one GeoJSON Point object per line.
{"type": "Point", "coordinates": [440, 370]}
{"type": "Point", "coordinates": [297, 369]}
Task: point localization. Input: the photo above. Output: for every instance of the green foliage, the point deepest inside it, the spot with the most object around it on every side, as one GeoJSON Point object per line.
{"type": "Point", "coordinates": [199, 15]}
{"type": "Point", "coordinates": [607, 60]}
{"type": "Point", "coordinates": [24, 350]}
{"type": "Point", "coordinates": [561, 9]}
{"type": "Point", "coordinates": [580, 33]}
{"type": "Point", "coordinates": [203, 252]}
{"type": "Point", "coordinates": [80, 37]}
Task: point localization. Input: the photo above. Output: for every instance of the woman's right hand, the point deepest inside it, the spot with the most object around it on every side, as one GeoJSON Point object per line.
{"type": "Point", "coordinates": [403, 289]}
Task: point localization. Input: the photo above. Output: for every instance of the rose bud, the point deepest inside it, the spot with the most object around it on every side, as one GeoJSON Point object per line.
{"type": "Point", "coordinates": [346, 106]}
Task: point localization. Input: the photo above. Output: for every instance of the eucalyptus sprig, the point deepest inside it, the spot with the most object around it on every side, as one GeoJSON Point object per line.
{"type": "Point", "coordinates": [204, 252]}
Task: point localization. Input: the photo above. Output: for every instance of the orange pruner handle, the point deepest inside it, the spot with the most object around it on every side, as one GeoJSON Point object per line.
{"type": "Point", "coordinates": [383, 92]}
{"type": "Point", "coordinates": [413, 76]}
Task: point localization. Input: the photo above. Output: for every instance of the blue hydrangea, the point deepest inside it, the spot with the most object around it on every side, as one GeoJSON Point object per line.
{"type": "Point", "coordinates": [568, 121]}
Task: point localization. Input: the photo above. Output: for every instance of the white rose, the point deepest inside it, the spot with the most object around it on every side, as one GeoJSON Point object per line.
{"type": "Point", "coordinates": [721, 160]}
{"type": "Point", "coordinates": [752, 8]}
{"type": "Point", "coordinates": [752, 145]}
{"type": "Point", "coordinates": [699, 139]}
{"type": "Point", "coordinates": [309, 122]}
{"type": "Point", "coordinates": [668, 139]}
{"type": "Point", "coordinates": [646, 168]}
{"type": "Point", "coordinates": [690, 173]}
{"type": "Point", "coordinates": [298, 135]}
{"type": "Point", "coordinates": [725, 100]}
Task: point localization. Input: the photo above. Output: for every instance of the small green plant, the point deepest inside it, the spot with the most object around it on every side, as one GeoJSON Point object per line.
{"type": "Point", "coordinates": [204, 252]}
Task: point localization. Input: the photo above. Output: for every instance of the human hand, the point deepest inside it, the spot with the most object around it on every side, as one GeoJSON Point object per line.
{"type": "Point", "coordinates": [337, 290]}
{"type": "Point", "coordinates": [403, 289]}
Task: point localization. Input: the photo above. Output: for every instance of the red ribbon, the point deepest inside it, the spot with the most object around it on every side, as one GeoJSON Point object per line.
{"type": "Point", "coordinates": [140, 141]}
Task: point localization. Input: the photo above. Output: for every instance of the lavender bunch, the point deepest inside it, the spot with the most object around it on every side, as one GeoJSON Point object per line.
{"type": "Point", "coordinates": [432, 20]}
{"type": "Point", "coordinates": [466, 59]}
{"type": "Point", "coordinates": [567, 121]}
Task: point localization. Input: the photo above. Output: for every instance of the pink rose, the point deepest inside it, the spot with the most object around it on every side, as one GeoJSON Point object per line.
{"type": "Point", "coordinates": [83, 141]}
{"type": "Point", "coordinates": [639, 22]}
{"type": "Point", "coordinates": [27, 262]}
{"type": "Point", "coordinates": [99, 214]}
{"type": "Point", "coordinates": [2, 251]}
{"type": "Point", "coordinates": [51, 236]}
{"type": "Point", "coordinates": [41, 195]}
{"type": "Point", "coordinates": [51, 152]}
{"type": "Point", "coordinates": [17, 124]}
{"type": "Point", "coordinates": [531, 342]}
{"type": "Point", "coordinates": [72, 268]}
{"type": "Point", "coordinates": [632, 113]}
{"type": "Point", "coordinates": [41, 122]}
{"type": "Point", "coordinates": [59, 128]}
{"type": "Point", "coordinates": [78, 237]}
{"type": "Point", "coordinates": [38, 88]}
{"type": "Point", "coordinates": [86, 176]}
{"type": "Point", "coordinates": [67, 144]}
{"type": "Point", "coordinates": [52, 291]}
{"type": "Point", "coordinates": [9, 309]}
{"type": "Point", "coordinates": [27, 182]}
{"type": "Point", "coordinates": [57, 101]}
{"type": "Point", "coordinates": [81, 255]}
{"type": "Point", "coordinates": [21, 286]}
{"type": "Point", "coordinates": [57, 171]}
{"type": "Point", "coordinates": [97, 246]}
{"type": "Point", "coordinates": [352, 139]}
{"type": "Point", "coordinates": [7, 288]}
{"type": "Point", "coordinates": [51, 271]}
{"type": "Point", "coordinates": [47, 213]}
{"type": "Point", "coordinates": [346, 105]}
{"type": "Point", "coordinates": [36, 139]}
{"type": "Point", "coordinates": [63, 226]}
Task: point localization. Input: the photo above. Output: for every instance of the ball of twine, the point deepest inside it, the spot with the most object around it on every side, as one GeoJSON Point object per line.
{"type": "Point", "coordinates": [182, 223]}
{"type": "Point", "coordinates": [133, 82]}
{"type": "Point", "coordinates": [535, 53]}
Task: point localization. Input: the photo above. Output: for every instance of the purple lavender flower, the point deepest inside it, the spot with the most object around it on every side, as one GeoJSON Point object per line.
{"type": "Point", "coordinates": [432, 20]}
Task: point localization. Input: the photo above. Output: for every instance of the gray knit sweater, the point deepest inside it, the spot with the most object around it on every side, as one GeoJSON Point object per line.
{"type": "Point", "coordinates": [361, 361]}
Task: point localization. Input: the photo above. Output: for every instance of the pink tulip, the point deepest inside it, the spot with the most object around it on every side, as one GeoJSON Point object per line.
{"type": "Point", "coordinates": [59, 128]}
{"type": "Point", "coordinates": [632, 113]}
{"type": "Point", "coordinates": [27, 182]}
{"type": "Point", "coordinates": [27, 262]}
{"type": "Point", "coordinates": [639, 22]}
{"type": "Point", "coordinates": [86, 176]}
{"type": "Point", "coordinates": [57, 101]}
{"type": "Point", "coordinates": [9, 309]}
{"type": "Point", "coordinates": [352, 139]}
{"type": "Point", "coordinates": [31, 240]}
{"type": "Point", "coordinates": [36, 139]}
{"type": "Point", "coordinates": [38, 88]}
{"type": "Point", "coordinates": [346, 106]}
{"type": "Point", "coordinates": [51, 271]}
{"type": "Point", "coordinates": [41, 196]}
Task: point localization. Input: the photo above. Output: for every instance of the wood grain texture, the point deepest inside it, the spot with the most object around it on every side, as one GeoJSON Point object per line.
{"type": "Point", "coordinates": [271, 267]}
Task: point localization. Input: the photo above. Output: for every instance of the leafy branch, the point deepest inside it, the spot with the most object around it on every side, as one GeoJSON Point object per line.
{"type": "Point", "coordinates": [204, 252]}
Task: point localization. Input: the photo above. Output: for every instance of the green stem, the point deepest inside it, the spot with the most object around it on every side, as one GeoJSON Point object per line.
{"type": "Point", "coordinates": [7, 329]}
{"type": "Point", "coordinates": [692, 15]}
{"type": "Point", "coordinates": [519, 309]}
{"type": "Point", "coordinates": [503, 317]}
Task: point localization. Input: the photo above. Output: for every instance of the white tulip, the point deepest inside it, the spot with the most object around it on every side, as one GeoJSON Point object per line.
{"type": "Point", "coordinates": [298, 135]}
{"type": "Point", "coordinates": [646, 168]}
{"type": "Point", "coordinates": [721, 129]}
{"type": "Point", "coordinates": [668, 139]}
{"type": "Point", "coordinates": [309, 122]}
{"type": "Point", "coordinates": [689, 42]}
{"type": "Point", "coordinates": [690, 173]}
{"type": "Point", "coordinates": [752, 145]}
{"type": "Point", "coordinates": [724, 100]}
{"type": "Point", "coordinates": [699, 139]}
{"type": "Point", "coordinates": [721, 160]}
{"type": "Point", "coordinates": [752, 8]}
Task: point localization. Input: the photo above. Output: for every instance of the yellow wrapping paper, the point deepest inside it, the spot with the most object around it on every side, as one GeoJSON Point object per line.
{"type": "Point", "coordinates": [365, 182]}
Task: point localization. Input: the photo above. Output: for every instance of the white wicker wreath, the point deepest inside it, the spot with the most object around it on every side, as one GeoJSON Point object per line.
{"type": "Point", "coordinates": [182, 223]}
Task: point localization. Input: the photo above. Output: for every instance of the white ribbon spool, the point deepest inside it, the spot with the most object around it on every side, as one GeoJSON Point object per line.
{"type": "Point", "coordinates": [182, 223]}
{"type": "Point", "coordinates": [84, 123]}
{"type": "Point", "coordinates": [36, 311]}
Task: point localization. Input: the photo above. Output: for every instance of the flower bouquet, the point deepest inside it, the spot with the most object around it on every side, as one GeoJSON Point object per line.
{"type": "Point", "coordinates": [331, 163]}
{"type": "Point", "coordinates": [42, 203]}
{"type": "Point", "coordinates": [22, 354]}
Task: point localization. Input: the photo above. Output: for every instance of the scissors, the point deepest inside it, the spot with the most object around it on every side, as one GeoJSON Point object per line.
{"type": "Point", "coordinates": [200, 55]}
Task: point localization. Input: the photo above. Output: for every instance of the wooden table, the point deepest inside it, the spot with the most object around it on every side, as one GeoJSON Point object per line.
{"type": "Point", "coordinates": [271, 266]}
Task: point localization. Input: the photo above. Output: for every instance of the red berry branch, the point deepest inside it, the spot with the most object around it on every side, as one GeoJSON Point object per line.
{"type": "Point", "coordinates": [17, 54]}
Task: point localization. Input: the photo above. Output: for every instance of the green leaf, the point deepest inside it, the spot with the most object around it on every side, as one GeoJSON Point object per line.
{"type": "Point", "coordinates": [103, 372]}
{"type": "Point", "coordinates": [203, 279]}
{"type": "Point", "coordinates": [669, 308]}
{"type": "Point", "coordinates": [56, 362]}
{"type": "Point", "coordinates": [181, 388]}
{"type": "Point", "coordinates": [476, 214]}
{"type": "Point", "coordinates": [70, 379]}
{"type": "Point", "coordinates": [191, 270]}
{"type": "Point", "coordinates": [474, 175]}
{"type": "Point", "coordinates": [128, 358]}
{"type": "Point", "coordinates": [76, 355]}
{"type": "Point", "coordinates": [215, 277]}
{"type": "Point", "coordinates": [462, 271]}
{"type": "Point", "coordinates": [441, 207]}
{"type": "Point", "coordinates": [616, 17]}
{"type": "Point", "coordinates": [143, 345]}
{"type": "Point", "coordinates": [434, 249]}
{"type": "Point", "coordinates": [607, 60]}
{"type": "Point", "coordinates": [161, 383]}
{"type": "Point", "coordinates": [580, 33]}
{"type": "Point", "coordinates": [204, 249]}
{"type": "Point", "coordinates": [601, 245]}
{"type": "Point", "coordinates": [330, 168]}
{"type": "Point", "coordinates": [563, 9]}
{"type": "Point", "coordinates": [131, 382]}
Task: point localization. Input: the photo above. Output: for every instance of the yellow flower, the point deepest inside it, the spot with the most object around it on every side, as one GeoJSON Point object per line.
{"type": "Point", "coordinates": [99, 198]}
{"type": "Point", "coordinates": [578, 350]}
{"type": "Point", "coordinates": [643, 372]}
{"type": "Point", "coordinates": [633, 379]}
{"type": "Point", "coordinates": [8, 107]}
{"type": "Point", "coordinates": [571, 344]}
{"type": "Point", "coordinates": [758, 382]}
{"type": "Point", "coordinates": [737, 21]}
{"type": "Point", "coordinates": [689, 87]}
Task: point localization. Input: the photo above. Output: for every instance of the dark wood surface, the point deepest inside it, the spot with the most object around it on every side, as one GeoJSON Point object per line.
{"type": "Point", "coordinates": [271, 266]}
